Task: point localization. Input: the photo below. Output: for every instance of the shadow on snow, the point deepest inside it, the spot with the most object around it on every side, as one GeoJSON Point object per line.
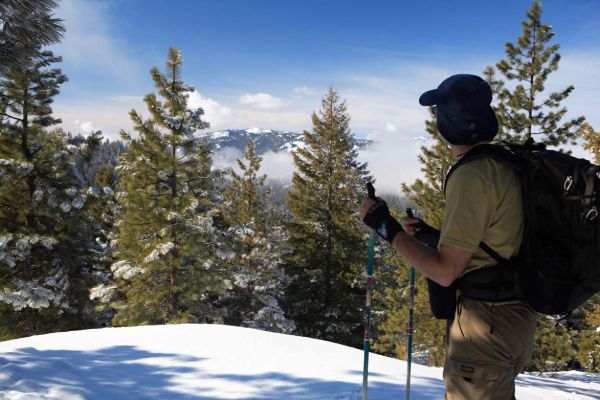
{"type": "Point", "coordinates": [560, 382]}
{"type": "Point", "coordinates": [127, 372]}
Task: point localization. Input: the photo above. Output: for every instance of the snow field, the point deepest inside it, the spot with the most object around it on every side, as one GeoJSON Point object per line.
{"type": "Point", "coordinates": [181, 362]}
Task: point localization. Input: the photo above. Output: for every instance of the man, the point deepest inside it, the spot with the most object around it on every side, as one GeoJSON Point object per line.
{"type": "Point", "coordinates": [489, 342]}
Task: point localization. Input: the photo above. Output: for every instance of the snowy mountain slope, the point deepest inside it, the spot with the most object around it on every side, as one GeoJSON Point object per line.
{"type": "Point", "coordinates": [184, 362]}
{"type": "Point", "coordinates": [266, 140]}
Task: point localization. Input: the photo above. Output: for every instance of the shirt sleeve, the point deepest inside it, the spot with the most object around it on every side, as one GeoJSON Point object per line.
{"type": "Point", "coordinates": [470, 204]}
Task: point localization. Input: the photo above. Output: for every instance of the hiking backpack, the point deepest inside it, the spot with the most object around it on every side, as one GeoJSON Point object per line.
{"type": "Point", "coordinates": [558, 267]}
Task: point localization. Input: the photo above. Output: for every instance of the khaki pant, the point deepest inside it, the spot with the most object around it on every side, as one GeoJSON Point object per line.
{"type": "Point", "coordinates": [488, 346]}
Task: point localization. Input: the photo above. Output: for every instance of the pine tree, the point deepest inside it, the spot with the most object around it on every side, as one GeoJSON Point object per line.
{"type": "Point", "coordinates": [26, 24]}
{"type": "Point", "coordinates": [44, 237]}
{"type": "Point", "coordinates": [325, 295]}
{"type": "Point", "coordinates": [592, 140]}
{"type": "Point", "coordinates": [104, 212]}
{"type": "Point", "coordinates": [247, 197]}
{"type": "Point", "coordinates": [166, 241]}
{"type": "Point", "coordinates": [553, 348]}
{"type": "Point", "coordinates": [588, 344]}
{"type": "Point", "coordinates": [428, 196]}
{"type": "Point", "coordinates": [522, 112]}
{"type": "Point", "coordinates": [256, 245]}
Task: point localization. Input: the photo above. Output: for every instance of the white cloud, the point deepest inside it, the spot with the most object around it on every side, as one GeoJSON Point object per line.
{"type": "Point", "coordinates": [581, 70]}
{"type": "Point", "coordinates": [261, 100]}
{"type": "Point", "coordinates": [88, 42]}
{"type": "Point", "coordinates": [219, 116]}
{"type": "Point", "coordinates": [304, 91]}
{"type": "Point", "coordinates": [87, 127]}
{"type": "Point", "coordinates": [383, 107]}
{"type": "Point", "coordinates": [108, 116]}
{"type": "Point", "coordinates": [126, 98]}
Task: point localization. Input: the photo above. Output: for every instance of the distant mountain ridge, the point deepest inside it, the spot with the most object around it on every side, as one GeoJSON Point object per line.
{"type": "Point", "coordinates": [267, 140]}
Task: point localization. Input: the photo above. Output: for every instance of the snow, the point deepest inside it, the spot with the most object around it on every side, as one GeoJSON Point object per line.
{"type": "Point", "coordinates": [181, 362]}
{"type": "Point", "coordinates": [79, 201]}
{"type": "Point", "coordinates": [65, 206]}
{"type": "Point", "coordinates": [257, 130]}
{"type": "Point", "coordinates": [160, 250]}
{"type": "Point", "coordinates": [219, 134]}
{"type": "Point", "coordinates": [124, 270]}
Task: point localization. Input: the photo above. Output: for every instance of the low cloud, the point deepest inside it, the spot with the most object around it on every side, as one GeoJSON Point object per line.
{"type": "Point", "coordinates": [276, 165]}
{"type": "Point", "coordinates": [392, 160]}
{"type": "Point", "coordinates": [261, 100]}
{"type": "Point", "coordinates": [390, 127]}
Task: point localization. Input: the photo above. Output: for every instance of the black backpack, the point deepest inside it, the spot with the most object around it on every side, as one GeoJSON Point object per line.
{"type": "Point", "coordinates": [558, 267]}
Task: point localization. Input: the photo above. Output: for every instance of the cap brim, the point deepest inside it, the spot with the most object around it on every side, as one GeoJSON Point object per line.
{"type": "Point", "coordinates": [429, 98]}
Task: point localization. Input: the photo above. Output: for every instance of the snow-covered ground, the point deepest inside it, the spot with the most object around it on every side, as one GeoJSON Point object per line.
{"type": "Point", "coordinates": [181, 362]}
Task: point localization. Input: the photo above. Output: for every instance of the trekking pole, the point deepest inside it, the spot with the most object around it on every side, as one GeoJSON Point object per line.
{"type": "Point", "coordinates": [411, 307]}
{"type": "Point", "coordinates": [371, 194]}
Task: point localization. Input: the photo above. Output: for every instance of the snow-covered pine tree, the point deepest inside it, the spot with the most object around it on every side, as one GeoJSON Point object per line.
{"type": "Point", "coordinates": [256, 243]}
{"type": "Point", "coordinates": [428, 196]}
{"type": "Point", "coordinates": [44, 235]}
{"type": "Point", "coordinates": [167, 270]}
{"type": "Point", "coordinates": [103, 212]}
{"type": "Point", "coordinates": [523, 109]}
{"type": "Point", "coordinates": [325, 295]}
{"type": "Point", "coordinates": [25, 25]}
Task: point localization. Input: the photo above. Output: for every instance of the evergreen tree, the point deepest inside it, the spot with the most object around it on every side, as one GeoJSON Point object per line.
{"type": "Point", "coordinates": [104, 213]}
{"type": "Point", "coordinates": [256, 244]}
{"type": "Point", "coordinates": [428, 196]}
{"type": "Point", "coordinates": [588, 344]}
{"type": "Point", "coordinates": [553, 348]}
{"type": "Point", "coordinates": [592, 140]}
{"type": "Point", "coordinates": [166, 241]}
{"type": "Point", "coordinates": [26, 24]}
{"type": "Point", "coordinates": [247, 197]}
{"type": "Point", "coordinates": [105, 156]}
{"type": "Point", "coordinates": [522, 111]}
{"type": "Point", "coordinates": [45, 242]}
{"type": "Point", "coordinates": [325, 295]}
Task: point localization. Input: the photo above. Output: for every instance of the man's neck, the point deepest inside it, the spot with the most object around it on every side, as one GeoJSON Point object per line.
{"type": "Point", "coordinates": [458, 150]}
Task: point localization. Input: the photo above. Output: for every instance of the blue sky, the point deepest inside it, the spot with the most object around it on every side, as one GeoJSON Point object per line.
{"type": "Point", "coordinates": [266, 63]}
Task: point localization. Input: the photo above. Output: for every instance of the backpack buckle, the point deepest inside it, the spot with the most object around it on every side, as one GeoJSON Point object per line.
{"type": "Point", "coordinates": [568, 184]}
{"type": "Point", "coordinates": [592, 214]}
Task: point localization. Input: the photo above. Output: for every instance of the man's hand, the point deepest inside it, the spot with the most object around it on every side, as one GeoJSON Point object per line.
{"type": "Point", "coordinates": [375, 214]}
{"type": "Point", "coordinates": [411, 225]}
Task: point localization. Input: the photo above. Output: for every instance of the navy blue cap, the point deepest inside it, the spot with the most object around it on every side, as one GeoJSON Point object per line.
{"type": "Point", "coordinates": [463, 111]}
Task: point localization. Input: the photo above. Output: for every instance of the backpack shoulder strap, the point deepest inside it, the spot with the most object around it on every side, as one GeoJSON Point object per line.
{"type": "Point", "coordinates": [492, 151]}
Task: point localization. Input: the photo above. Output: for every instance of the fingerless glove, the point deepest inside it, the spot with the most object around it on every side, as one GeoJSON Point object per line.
{"type": "Point", "coordinates": [379, 218]}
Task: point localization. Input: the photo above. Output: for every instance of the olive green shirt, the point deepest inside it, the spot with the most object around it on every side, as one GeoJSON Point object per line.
{"type": "Point", "coordinates": [483, 204]}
